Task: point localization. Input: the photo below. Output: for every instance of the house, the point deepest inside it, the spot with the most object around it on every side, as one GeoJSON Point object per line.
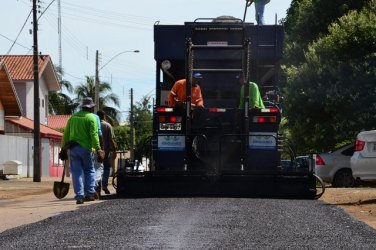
{"type": "Point", "coordinates": [58, 122]}
{"type": "Point", "coordinates": [50, 143]}
{"type": "Point", "coordinates": [9, 103]}
{"type": "Point", "coordinates": [20, 69]}
{"type": "Point", "coordinates": [17, 113]}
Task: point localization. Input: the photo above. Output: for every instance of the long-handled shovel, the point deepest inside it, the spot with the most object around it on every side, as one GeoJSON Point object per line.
{"type": "Point", "coordinates": [61, 189]}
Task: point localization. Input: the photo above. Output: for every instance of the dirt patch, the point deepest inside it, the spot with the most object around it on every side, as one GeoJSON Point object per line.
{"type": "Point", "coordinates": [359, 202]}
{"type": "Point", "coordinates": [18, 188]}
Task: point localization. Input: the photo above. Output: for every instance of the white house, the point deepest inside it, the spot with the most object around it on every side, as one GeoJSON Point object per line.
{"type": "Point", "coordinates": [21, 72]}
{"type": "Point", "coordinates": [17, 113]}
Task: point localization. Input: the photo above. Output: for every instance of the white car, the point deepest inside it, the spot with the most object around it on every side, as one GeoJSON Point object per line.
{"type": "Point", "coordinates": [363, 162]}
{"type": "Point", "coordinates": [334, 167]}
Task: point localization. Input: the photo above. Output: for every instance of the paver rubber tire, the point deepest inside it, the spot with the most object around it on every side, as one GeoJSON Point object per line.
{"type": "Point", "coordinates": [343, 178]}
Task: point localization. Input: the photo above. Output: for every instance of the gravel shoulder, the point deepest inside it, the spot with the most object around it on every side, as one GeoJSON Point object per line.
{"type": "Point", "coordinates": [23, 201]}
{"type": "Point", "coordinates": [360, 202]}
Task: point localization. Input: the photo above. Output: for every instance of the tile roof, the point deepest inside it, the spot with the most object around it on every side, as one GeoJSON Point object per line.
{"type": "Point", "coordinates": [21, 68]}
{"type": "Point", "coordinates": [8, 95]}
{"type": "Point", "coordinates": [58, 121]}
{"type": "Point", "coordinates": [45, 132]}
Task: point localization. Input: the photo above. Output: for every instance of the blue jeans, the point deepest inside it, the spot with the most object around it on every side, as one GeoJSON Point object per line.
{"type": "Point", "coordinates": [106, 170]}
{"type": "Point", "coordinates": [83, 172]}
{"type": "Point", "coordinates": [259, 8]}
{"type": "Point", "coordinates": [98, 175]}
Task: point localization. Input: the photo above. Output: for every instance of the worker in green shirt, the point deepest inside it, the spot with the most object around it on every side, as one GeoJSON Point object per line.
{"type": "Point", "coordinates": [255, 100]}
{"type": "Point", "coordinates": [81, 138]}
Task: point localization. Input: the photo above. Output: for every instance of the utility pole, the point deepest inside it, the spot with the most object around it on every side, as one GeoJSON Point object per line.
{"type": "Point", "coordinates": [36, 163]}
{"type": "Point", "coordinates": [96, 108]}
{"type": "Point", "coordinates": [59, 31]}
{"type": "Point", "coordinates": [132, 128]}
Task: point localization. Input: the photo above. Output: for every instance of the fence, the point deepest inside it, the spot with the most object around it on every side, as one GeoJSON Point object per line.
{"type": "Point", "coordinates": [17, 148]}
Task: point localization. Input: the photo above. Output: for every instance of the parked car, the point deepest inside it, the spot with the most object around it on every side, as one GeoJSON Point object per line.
{"type": "Point", "coordinates": [302, 163]}
{"type": "Point", "coordinates": [286, 164]}
{"type": "Point", "coordinates": [363, 162]}
{"type": "Point", "coordinates": [334, 167]}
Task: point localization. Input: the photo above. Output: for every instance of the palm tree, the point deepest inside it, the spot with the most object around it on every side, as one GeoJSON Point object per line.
{"type": "Point", "coordinates": [60, 103]}
{"type": "Point", "coordinates": [106, 97]}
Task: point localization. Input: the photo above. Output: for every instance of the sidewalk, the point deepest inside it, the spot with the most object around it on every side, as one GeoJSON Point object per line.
{"type": "Point", "coordinates": [23, 201]}
{"type": "Point", "coordinates": [16, 188]}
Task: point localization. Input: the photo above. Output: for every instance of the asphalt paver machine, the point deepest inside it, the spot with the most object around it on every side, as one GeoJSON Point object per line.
{"type": "Point", "coordinates": [220, 149]}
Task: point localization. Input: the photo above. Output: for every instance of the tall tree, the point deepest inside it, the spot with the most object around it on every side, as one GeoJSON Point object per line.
{"type": "Point", "coordinates": [59, 102]}
{"type": "Point", "coordinates": [307, 20]}
{"type": "Point", "coordinates": [331, 95]}
{"type": "Point", "coordinates": [106, 97]}
{"type": "Point", "coordinates": [143, 128]}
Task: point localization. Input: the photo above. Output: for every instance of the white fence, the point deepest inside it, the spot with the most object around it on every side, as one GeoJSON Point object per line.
{"type": "Point", "coordinates": [17, 148]}
{"type": "Point", "coordinates": [21, 149]}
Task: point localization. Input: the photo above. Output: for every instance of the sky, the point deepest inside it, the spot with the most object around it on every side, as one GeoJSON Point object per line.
{"type": "Point", "coordinates": [111, 27]}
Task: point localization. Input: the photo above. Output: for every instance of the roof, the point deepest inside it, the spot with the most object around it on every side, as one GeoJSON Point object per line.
{"type": "Point", "coordinates": [21, 68]}
{"type": "Point", "coordinates": [8, 96]}
{"type": "Point", "coordinates": [58, 121]}
{"type": "Point", "coordinates": [45, 132]}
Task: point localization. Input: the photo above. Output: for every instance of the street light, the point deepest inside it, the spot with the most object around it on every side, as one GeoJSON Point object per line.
{"type": "Point", "coordinates": [97, 74]}
{"type": "Point", "coordinates": [127, 51]}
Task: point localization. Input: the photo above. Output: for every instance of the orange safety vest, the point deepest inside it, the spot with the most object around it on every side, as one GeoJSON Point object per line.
{"type": "Point", "coordinates": [177, 93]}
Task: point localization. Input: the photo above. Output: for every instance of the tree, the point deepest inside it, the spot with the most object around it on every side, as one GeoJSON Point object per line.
{"type": "Point", "coordinates": [143, 128]}
{"type": "Point", "coordinates": [307, 20]}
{"type": "Point", "coordinates": [60, 103]}
{"type": "Point", "coordinates": [331, 95]}
{"type": "Point", "coordinates": [122, 137]}
{"type": "Point", "coordinates": [106, 97]}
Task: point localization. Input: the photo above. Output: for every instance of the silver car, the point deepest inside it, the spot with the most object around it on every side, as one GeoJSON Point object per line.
{"type": "Point", "coordinates": [334, 167]}
{"type": "Point", "coordinates": [363, 162]}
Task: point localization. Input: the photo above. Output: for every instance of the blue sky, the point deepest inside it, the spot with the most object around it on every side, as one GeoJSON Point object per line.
{"type": "Point", "coordinates": [111, 27]}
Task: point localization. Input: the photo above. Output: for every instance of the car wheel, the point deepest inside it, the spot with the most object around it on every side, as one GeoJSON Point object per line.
{"type": "Point", "coordinates": [343, 178]}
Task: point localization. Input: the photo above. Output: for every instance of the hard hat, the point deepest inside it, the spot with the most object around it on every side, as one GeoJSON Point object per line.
{"type": "Point", "coordinates": [197, 75]}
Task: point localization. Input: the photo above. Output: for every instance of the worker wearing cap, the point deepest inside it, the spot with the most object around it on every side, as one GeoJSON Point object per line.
{"type": "Point", "coordinates": [81, 134]}
{"type": "Point", "coordinates": [255, 100]}
{"type": "Point", "coordinates": [177, 95]}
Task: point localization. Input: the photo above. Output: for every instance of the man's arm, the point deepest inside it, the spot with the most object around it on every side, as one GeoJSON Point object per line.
{"type": "Point", "coordinates": [66, 134]}
{"type": "Point", "coordinates": [241, 101]}
{"type": "Point", "coordinates": [112, 140]}
{"type": "Point", "coordinates": [199, 101]}
{"type": "Point", "coordinates": [94, 132]}
{"type": "Point", "coordinates": [255, 99]}
{"type": "Point", "coordinates": [172, 95]}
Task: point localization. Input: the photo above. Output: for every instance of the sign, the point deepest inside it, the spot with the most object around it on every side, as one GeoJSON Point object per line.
{"type": "Point", "coordinates": [262, 140]}
{"type": "Point", "coordinates": [171, 142]}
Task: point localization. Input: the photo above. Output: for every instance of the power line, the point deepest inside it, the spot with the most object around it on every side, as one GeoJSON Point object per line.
{"type": "Point", "coordinates": [16, 42]}
{"type": "Point", "coordinates": [45, 9]}
{"type": "Point", "coordinates": [11, 47]}
{"type": "Point", "coordinates": [65, 73]}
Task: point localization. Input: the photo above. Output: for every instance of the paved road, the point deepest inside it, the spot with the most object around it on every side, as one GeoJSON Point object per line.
{"type": "Point", "coordinates": [196, 223]}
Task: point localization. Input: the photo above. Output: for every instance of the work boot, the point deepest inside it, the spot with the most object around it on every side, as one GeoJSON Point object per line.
{"type": "Point", "coordinates": [106, 191]}
{"type": "Point", "coordinates": [97, 195]}
{"type": "Point", "coordinates": [88, 198]}
{"type": "Point", "coordinates": [80, 201]}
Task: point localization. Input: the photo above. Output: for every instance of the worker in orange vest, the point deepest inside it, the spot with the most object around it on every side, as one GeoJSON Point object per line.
{"type": "Point", "coordinates": [177, 95]}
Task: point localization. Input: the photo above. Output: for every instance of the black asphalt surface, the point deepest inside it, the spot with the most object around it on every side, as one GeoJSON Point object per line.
{"type": "Point", "coordinates": [196, 223]}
